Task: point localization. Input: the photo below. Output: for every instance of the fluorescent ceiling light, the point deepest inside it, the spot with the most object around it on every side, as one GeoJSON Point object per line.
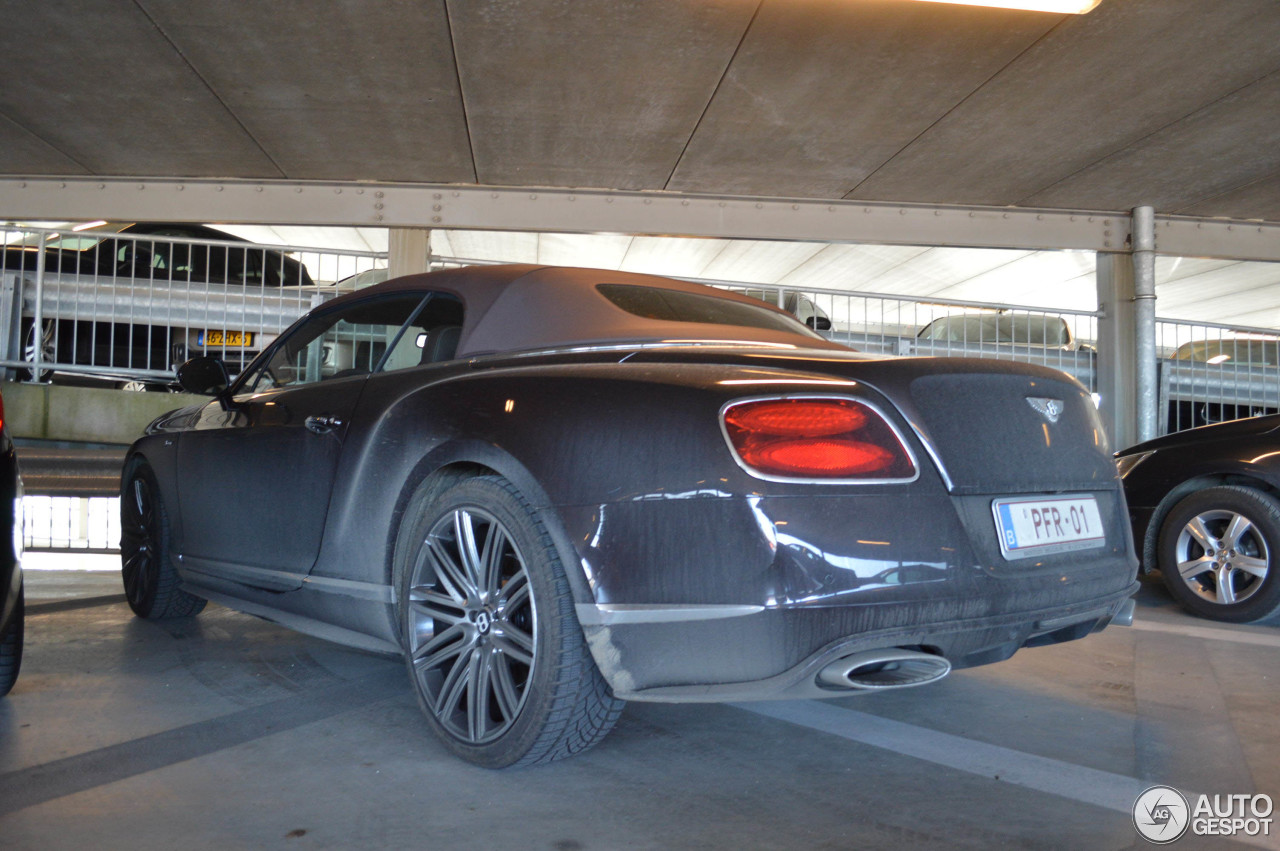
{"type": "Point", "coordinates": [85, 226]}
{"type": "Point", "coordinates": [1064, 7]}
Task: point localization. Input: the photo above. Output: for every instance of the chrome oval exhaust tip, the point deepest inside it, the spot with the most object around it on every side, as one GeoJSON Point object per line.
{"type": "Point", "coordinates": [891, 667]}
{"type": "Point", "coordinates": [1124, 613]}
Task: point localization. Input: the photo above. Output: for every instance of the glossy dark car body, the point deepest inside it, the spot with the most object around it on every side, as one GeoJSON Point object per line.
{"type": "Point", "coordinates": [162, 259]}
{"type": "Point", "coordinates": [692, 578]}
{"type": "Point", "coordinates": [1239, 451]}
{"type": "Point", "coordinates": [1159, 475]}
{"type": "Point", "coordinates": [11, 586]}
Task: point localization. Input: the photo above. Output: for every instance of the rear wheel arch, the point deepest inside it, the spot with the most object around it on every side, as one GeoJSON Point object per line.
{"type": "Point", "coordinates": [454, 462]}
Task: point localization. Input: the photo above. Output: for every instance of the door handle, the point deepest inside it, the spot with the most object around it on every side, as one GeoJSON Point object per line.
{"type": "Point", "coordinates": [322, 425]}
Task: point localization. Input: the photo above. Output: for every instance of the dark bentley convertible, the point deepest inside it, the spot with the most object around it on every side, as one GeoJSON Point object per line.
{"type": "Point", "coordinates": [554, 490]}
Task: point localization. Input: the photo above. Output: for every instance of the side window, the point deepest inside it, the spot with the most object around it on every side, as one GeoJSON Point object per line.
{"type": "Point", "coordinates": [431, 337]}
{"type": "Point", "coordinates": [175, 261]}
{"type": "Point", "coordinates": [337, 344]}
{"type": "Point", "coordinates": [246, 266]}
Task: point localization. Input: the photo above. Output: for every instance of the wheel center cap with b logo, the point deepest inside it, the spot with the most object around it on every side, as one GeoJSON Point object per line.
{"type": "Point", "coordinates": [484, 620]}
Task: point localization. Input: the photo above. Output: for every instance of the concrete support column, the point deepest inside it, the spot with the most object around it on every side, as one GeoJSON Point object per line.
{"type": "Point", "coordinates": [408, 251]}
{"type": "Point", "coordinates": [1144, 295]}
{"type": "Point", "coordinates": [1117, 349]}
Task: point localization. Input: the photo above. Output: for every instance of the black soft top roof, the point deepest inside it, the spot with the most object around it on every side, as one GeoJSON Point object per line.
{"type": "Point", "coordinates": [522, 307]}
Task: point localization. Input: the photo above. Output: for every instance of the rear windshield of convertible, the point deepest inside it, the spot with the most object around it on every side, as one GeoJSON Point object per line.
{"type": "Point", "coordinates": [677, 306]}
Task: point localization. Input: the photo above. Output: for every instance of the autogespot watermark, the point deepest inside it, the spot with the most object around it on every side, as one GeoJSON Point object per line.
{"type": "Point", "coordinates": [1162, 815]}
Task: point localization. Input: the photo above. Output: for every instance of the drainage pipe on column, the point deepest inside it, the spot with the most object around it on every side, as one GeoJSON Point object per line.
{"type": "Point", "coordinates": [1144, 319]}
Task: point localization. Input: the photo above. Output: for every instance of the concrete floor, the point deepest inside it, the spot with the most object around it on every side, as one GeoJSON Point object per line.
{"type": "Point", "coordinates": [227, 732]}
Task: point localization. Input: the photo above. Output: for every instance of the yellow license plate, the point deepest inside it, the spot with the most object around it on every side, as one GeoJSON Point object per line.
{"type": "Point", "coordinates": [230, 339]}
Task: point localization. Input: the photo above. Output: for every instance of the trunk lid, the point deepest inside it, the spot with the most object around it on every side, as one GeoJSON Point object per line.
{"type": "Point", "coordinates": [990, 426]}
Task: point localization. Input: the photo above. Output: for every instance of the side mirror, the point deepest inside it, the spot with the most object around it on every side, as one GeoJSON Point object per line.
{"type": "Point", "coordinates": [204, 376]}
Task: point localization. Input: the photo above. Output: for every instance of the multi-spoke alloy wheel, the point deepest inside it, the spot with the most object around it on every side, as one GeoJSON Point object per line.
{"type": "Point", "coordinates": [473, 625]}
{"type": "Point", "coordinates": [150, 582]}
{"type": "Point", "coordinates": [138, 541]}
{"type": "Point", "coordinates": [1221, 557]}
{"type": "Point", "coordinates": [48, 348]}
{"type": "Point", "coordinates": [1216, 552]}
{"type": "Point", "coordinates": [493, 647]}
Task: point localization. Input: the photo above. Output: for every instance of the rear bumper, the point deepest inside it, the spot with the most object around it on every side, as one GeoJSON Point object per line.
{"type": "Point", "coordinates": [742, 597]}
{"type": "Point", "coordinates": [696, 654]}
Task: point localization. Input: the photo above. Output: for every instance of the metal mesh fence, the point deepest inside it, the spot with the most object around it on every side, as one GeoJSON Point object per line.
{"type": "Point", "coordinates": [1212, 373]}
{"type": "Point", "coordinates": [899, 325]}
{"type": "Point", "coordinates": [125, 308]}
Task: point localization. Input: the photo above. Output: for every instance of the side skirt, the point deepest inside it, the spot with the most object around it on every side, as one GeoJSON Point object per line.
{"type": "Point", "coordinates": [300, 623]}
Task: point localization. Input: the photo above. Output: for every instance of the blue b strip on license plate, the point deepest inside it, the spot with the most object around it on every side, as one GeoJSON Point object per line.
{"type": "Point", "coordinates": [1030, 527]}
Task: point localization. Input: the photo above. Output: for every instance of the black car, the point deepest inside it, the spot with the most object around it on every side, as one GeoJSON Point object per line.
{"type": "Point", "coordinates": [109, 281]}
{"type": "Point", "coordinates": [162, 251]}
{"type": "Point", "coordinates": [1205, 506]}
{"type": "Point", "coordinates": [552, 490]}
{"type": "Point", "coordinates": [11, 592]}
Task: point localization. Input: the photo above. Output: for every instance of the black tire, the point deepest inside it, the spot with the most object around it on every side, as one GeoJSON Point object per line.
{"type": "Point", "coordinates": [150, 581]}
{"type": "Point", "coordinates": [11, 648]}
{"type": "Point", "coordinates": [493, 647]}
{"type": "Point", "coordinates": [1219, 553]}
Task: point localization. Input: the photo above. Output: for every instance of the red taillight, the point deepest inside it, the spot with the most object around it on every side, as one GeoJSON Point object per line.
{"type": "Point", "coordinates": [816, 439]}
{"type": "Point", "coordinates": [797, 417]}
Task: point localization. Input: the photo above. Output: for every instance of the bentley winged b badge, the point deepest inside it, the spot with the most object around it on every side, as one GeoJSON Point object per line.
{"type": "Point", "coordinates": [1050, 409]}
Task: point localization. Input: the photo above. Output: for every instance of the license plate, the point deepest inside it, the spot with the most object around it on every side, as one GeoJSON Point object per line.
{"type": "Point", "coordinates": [1038, 526]}
{"type": "Point", "coordinates": [229, 339]}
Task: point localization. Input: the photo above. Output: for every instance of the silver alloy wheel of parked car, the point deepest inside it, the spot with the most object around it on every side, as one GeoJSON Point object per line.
{"type": "Point", "coordinates": [1221, 557]}
{"type": "Point", "coordinates": [48, 350]}
{"type": "Point", "coordinates": [473, 625]}
{"type": "Point", "coordinates": [1215, 551]}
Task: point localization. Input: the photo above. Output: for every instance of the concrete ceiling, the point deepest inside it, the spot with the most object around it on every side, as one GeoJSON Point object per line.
{"type": "Point", "coordinates": [1173, 103]}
